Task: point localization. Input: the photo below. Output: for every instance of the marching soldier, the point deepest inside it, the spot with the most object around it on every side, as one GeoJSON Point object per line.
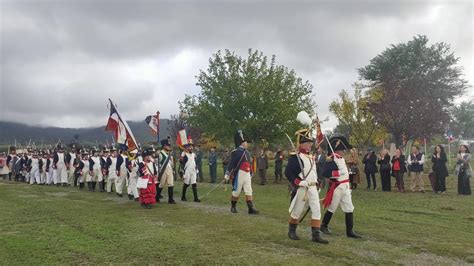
{"type": "Point", "coordinates": [188, 163]}
{"type": "Point", "coordinates": [165, 176]}
{"type": "Point", "coordinates": [302, 175]}
{"type": "Point", "coordinates": [112, 169]}
{"type": "Point", "coordinates": [4, 169]}
{"type": "Point", "coordinates": [132, 169]}
{"type": "Point", "coordinates": [95, 171]}
{"type": "Point", "coordinates": [104, 156]}
{"type": "Point", "coordinates": [70, 172]}
{"type": "Point", "coordinates": [76, 163]}
{"type": "Point", "coordinates": [339, 192]}
{"type": "Point", "coordinates": [61, 163]}
{"type": "Point", "coordinates": [11, 160]}
{"type": "Point", "coordinates": [35, 165]}
{"type": "Point", "coordinates": [84, 171]}
{"type": "Point", "coordinates": [240, 172]}
{"type": "Point", "coordinates": [148, 172]}
{"type": "Point", "coordinates": [122, 171]}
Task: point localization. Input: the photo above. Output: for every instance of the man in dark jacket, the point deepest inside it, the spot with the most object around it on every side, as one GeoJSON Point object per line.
{"type": "Point", "coordinates": [279, 166]}
{"type": "Point", "coordinates": [262, 166]}
{"type": "Point", "coordinates": [370, 160]}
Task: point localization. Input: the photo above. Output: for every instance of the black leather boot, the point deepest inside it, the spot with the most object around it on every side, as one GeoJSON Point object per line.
{"type": "Point", "coordinates": [81, 186]}
{"type": "Point", "coordinates": [89, 185]}
{"type": "Point", "coordinates": [325, 223]}
{"type": "Point", "coordinates": [93, 186]}
{"type": "Point", "coordinates": [233, 207]}
{"type": "Point", "coordinates": [102, 186]}
{"type": "Point", "coordinates": [76, 177]}
{"type": "Point", "coordinates": [316, 236]}
{"type": "Point", "coordinates": [292, 232]}
{"type": "Point", "coordinates": [195, 193]}
{"type": "Point", "coordinates": [350, 225]}
{"type": "Point", "coordinates": [170, 195]}
{"type": "Point", "coordinates": [158, 193]}
{"type": "Point", "coordinates": [252, 210]}
{"type": "Point", "coordinates": [183, 194]}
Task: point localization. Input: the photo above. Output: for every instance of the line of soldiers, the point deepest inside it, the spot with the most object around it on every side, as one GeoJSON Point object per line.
{"type": "Point", "coordinates": [110, 169]}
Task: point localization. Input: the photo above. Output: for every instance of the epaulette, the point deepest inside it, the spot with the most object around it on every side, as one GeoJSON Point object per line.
{"type": "Point", "coordinates": [329, 159]}
{"type": "Point", "coordinates": [293, 153]}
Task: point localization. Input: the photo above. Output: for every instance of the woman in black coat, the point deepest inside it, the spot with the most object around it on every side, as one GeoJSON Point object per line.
{"type": "Point", "coordinates": [439, 160]}
{"type": "Point", "coordinates": [384, 162]}
{"type": "Point", "coordinates": [399, 169]}
{"type": "Point", "coordinates": [370, 168]}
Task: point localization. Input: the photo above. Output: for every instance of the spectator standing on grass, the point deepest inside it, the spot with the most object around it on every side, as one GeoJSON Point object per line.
{"type": "Point", "coordinates": [213, 164]}
{"type": "Point", "coordinates": [353, 166]}
{"type": "Point", "coordinates": [439, 160]}
{"type": "Point", "coordinates": [198, 153]}
{"type": "Point", "coordinates": [262, 166]}
{"type": "Point", "coordinates": [225, 160]}
{"type": "Point", "coordinates": [384, 162]}
{"type": "Point", "coordinates": [398, 169]}
{"type": "Point", "coordinates": [464, 170]}
{"type": "Point", "coordinates": [279, 166]}
{"type": "Point", "coordinates": [415, 167]}
{"type": "Point", "coordinates": [370, 168]}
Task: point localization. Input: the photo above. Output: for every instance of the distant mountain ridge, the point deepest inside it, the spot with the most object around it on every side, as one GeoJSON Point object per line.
{"type": "Point", "coordinates": [9, 131]}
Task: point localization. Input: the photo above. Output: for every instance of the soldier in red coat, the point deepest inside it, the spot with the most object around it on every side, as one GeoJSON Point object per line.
{"type": "Point", "coordinates": [147, 170]}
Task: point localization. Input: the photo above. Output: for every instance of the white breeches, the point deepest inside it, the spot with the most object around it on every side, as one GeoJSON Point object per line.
{"type": "Point", "coordinates": [308, 195]}
{"type": "Point", "coordinates": [243, 180]}
{"type": "Point", "coordinates": [342, 196]}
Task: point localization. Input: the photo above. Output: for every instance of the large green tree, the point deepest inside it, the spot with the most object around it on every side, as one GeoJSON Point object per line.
{"type": "Point", "coordinates": [463, 119]}
{"type": "Point", "coordinates": [254, 94]}
{"type": "Point", "coordinates": [355, 121]}
{"type": "Point", "coordinates": [413, 85]}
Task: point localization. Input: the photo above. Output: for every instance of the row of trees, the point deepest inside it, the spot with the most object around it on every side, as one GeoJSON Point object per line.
{"type": "Point", "coordinates": [406, 92]}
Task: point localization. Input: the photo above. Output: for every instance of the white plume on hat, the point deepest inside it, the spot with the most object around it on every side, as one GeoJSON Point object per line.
{"type": "Point", "coordinates": [304, 118]}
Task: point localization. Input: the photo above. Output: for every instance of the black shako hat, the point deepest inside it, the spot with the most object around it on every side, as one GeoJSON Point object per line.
{"type": "Point", "coordinates": [339, 143]}
{"type": "Point", "coordinates": [240, 137]}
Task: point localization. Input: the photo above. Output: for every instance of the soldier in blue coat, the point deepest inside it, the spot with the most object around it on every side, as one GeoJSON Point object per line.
{"type": "Point", "coordinates": [240, 173]}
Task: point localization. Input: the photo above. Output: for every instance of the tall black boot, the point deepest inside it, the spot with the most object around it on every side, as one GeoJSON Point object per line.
{"type": "Point", "coordinates": [195, 193]}
{"type": "Point", "coordinates": [350, 225]}
{"type": "Point", "coordinates": [170, 195]}
{"type": "Point", "coordinates": [158, 193]}
{"type": "Point", "coordinates": [93, 186]}
{"type": "Point", "coordinates": [252, 210]}
{"type": "Point", "coordinates": [89, 185]}
{"type": "Point", "coordinates": [76, 177]}
{"type": "Point", "coordinates": [81, 185]}
{"type": "Point", "coordinates": [316, 236]}
{"type": "Point", "coordinates": [183, 194]}
{"type": "Point", "coordinates": [325, 223]}
{"type": "Point", "coordinates": [233, 207]}
{"type": "Point", "coordinates": [102, 186]}
{"type": "Point", "coordinates": [292, 231]}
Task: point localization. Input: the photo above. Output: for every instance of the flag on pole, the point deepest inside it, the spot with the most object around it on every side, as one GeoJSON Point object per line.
{"type": "Point", "coordinates": [181, 138]}
{"type": "Point", "coordinates": [319, 132]}
{"type": "Point", "coordinates": [153, 121]}
{"type": "Point", "coordinates": [122, 133]}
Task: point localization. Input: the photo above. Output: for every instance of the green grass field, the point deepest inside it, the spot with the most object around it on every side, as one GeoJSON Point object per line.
{"type": "Point", "coordinates": [48, 225]}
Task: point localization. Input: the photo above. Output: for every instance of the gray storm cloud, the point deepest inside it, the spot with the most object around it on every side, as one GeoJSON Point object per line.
{"type": "Point", "coordinates": [61, 60]}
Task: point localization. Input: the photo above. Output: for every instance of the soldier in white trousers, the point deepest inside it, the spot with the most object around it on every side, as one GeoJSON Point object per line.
{"type": "Point", "coordinates": [165, 175]}
{"type": "Point", "coordinates": [95, 171]}
{"type": "Point", "coordinates": [302, 174]}
{"type": "Point", "coordinates": [122, 171]}
{"type": "Point", "coordinates": [240, 172]}
{"type": "Point", "coordinates": [339, 193]}
{"type": "Point", "coordinates": [112, 169]}
{"type": "Point", "coordinates": [132, 172]}
{"type": "Point", "coordinates": [188, 163]}
{"type": "Point", "coordinates": [61, 163]}
{"type": "Point", "coordinates": [35, 164]}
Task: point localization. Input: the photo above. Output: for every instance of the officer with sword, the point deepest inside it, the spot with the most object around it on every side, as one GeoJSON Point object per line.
{"type": "Point", "coordinates": [302, 175]}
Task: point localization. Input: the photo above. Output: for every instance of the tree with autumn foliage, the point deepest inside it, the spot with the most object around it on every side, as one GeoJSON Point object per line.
{"type": "Point", "coordinates": [355, 121]}
{"type": "Point", "coordinates": [412, 87]}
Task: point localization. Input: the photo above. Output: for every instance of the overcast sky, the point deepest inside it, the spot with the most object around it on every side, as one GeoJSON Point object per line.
{"type": "Point", "coordinates": [61, 60]}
